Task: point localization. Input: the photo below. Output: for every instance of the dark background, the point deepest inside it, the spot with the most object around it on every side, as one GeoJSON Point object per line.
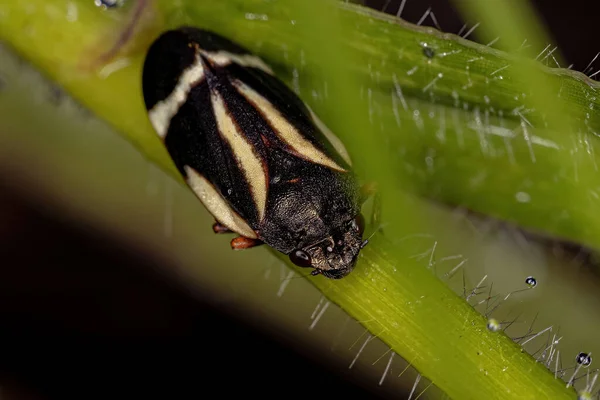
{"type": "Point", "coordinates": [115, 329]}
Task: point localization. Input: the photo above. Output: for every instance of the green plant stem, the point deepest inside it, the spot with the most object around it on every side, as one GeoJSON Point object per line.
{"type": "Point", "coordinates": [438, 332]}
{"type": "Point", "coordinates": [394, 297]}
{"type": "Point", "coordinates": [476, 167]}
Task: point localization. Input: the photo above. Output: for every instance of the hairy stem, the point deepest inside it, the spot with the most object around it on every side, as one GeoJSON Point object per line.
{"type": "Point", "coordinates": [444, 115]}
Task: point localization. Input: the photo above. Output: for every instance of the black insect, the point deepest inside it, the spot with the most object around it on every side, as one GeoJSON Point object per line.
{"type": "Point", "coordinates": [256, 156]}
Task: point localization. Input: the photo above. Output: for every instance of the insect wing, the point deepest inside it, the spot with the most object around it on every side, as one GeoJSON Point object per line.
{"type": "Point", "coordinates": [222, 116]}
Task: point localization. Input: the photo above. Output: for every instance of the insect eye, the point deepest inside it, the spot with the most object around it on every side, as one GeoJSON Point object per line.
{"type": "Point", "coordinates": [301, 258]}
{"type": "Point", "coordinates": [358, 223]}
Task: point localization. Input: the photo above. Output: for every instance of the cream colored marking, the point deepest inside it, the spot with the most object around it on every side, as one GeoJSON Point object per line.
{"type": "Point", "coordinates": [286, 131]}
{"type": "Point", "coordinates": [216, 204]}
{"type": "Point", "coordinates": [333, 139]}
{"type": "Point", "coordinates": [249, 163]}
{"type": "Point", "coordinates": [163, 111]}
{"type": "Point", "coordinates": [224, 58]}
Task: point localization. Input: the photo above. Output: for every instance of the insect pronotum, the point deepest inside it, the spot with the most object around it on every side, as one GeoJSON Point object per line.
{"type": "Point", "coordinates": [255, 155]}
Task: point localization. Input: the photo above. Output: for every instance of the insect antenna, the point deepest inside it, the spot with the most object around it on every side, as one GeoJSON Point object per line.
{"type": "Point", "coordinates": [366, 241]}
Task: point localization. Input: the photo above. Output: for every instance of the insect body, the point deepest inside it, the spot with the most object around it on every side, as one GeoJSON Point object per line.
{"type": "Point", "coordinates": [255, 155]}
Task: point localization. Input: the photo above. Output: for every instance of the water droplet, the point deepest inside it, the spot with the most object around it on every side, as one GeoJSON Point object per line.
{"type": "Point", "coordinates": [493, 325]}
{"type": "Point", "coordinates": [523, 197]}
{"type": "Point", "coordinates": [428, 52]}
{"type": "Point", "coordinates": [584, 359]}
{"type": "Point", "coordinates": [531, 281]}
{"type": "Point", "coordinates": [108, 3]}
{"type": "Point", "coordinates": [584, 395]}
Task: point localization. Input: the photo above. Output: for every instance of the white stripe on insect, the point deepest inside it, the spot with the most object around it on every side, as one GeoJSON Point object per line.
{"type": "Point", "coordinates": [163, 111]}
{"type": "Point", "coordinates": [284, 130]}
{"type": "Point", "coordinates": [250, 164]}
{"type": "Point", "coordinates": [216, 204]}
{"type": "Point", "coordinates": [224, 58]}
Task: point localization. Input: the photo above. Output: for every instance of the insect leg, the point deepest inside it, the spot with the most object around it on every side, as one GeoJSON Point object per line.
{"type": "Point", "coordinates": [376, 211]}
{"type": "Point", "coordinates": [241, 243]}
{"type": "Point", "coordinates": [218, 228]}
{"type": "Point", "coordinates": [366, 191]}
